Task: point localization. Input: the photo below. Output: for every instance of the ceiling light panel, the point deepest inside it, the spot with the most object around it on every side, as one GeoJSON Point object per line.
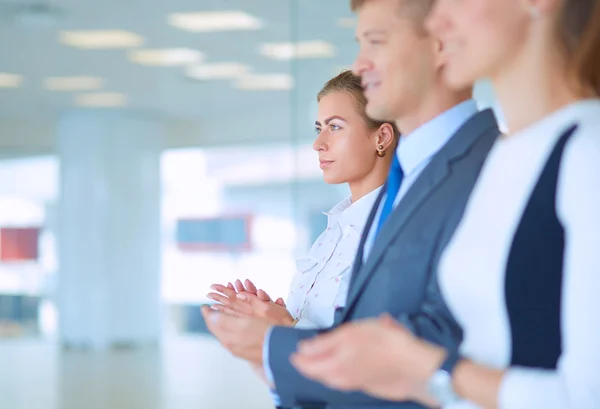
{"type": "Point", "coordinates": [215, 71]}
{"type": "Point", "coordinates": [10, 80]}
{"type": "Point", "coordinates": [101, 100]}
{"type": "Point", "coordinates": [100, 39]}
{"type": "Point", "coordinates": [212, 21]}
{"type": "Point", "coordinates": [79, 83]}
{"type": "Point", "coordinates": [265, 82]}
{"type": "Point", "coordinates": [303, 49]}
{"type": "Point", "coordinates": [166, 57]}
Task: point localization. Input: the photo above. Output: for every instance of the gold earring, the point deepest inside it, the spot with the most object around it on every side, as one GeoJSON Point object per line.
{"type": "Point", "coordinates": [380, 151]}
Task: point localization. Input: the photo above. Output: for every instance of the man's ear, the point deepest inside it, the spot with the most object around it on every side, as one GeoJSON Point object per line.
{"type": "Point", "coordinates": [438, 49]}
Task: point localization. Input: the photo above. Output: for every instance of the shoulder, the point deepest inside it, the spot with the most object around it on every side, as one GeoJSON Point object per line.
{"type": "Point", "coordinates": [582, 152]}
{"type": "Point", "coordinates": [579, 179]}
{"type": "Point", "coordinates": [473, 141]}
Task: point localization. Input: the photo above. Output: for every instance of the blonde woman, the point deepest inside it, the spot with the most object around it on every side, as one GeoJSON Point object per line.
{"type": "Point", "coordinates": [352, 149]}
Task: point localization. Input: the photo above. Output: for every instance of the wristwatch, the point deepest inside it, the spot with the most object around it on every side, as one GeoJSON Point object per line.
{"type": "Point", "coordinates": [439, 385]}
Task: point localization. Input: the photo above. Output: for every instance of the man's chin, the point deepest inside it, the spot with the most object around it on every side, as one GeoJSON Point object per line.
{"type": "Point", "coordinates": [378, 112]}
{"type": "Point", "coordinates": [333, 180]}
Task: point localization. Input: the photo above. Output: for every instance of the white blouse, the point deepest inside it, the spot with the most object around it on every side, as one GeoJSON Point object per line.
{"type": "Point", "coordinates": [322, 278]}
{"type": "Point", "coordinates": [473, 267]}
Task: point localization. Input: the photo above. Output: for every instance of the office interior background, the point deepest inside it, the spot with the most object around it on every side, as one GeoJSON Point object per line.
{"type": "Point", "coordinates": [148, 150]}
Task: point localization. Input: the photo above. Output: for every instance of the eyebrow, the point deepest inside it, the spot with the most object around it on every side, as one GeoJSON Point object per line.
{"type": "Point", "coordinates": [331, 118]}
{"type": "Point", "coordinates": [374, 31]}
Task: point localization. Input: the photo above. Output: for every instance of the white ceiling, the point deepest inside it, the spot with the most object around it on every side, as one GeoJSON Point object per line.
{"type": "Point", "coordinates": [32, 50]}
{"type": "Point", "coordinates": [196, 113]}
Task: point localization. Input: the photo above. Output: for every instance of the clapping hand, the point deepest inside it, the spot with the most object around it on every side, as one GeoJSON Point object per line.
{"type": "Point", "coordinates": [244, 299]}
{"type": "Point", "coordinates": [377, 356]}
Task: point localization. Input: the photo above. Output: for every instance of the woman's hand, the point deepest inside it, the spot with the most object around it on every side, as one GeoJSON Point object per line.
{"type": "Point", "coordinates": [244, 299]}
{"type": "Point", "coordinates": [377, 356]}
{"type": "Point", "coordinates": [272, 311]}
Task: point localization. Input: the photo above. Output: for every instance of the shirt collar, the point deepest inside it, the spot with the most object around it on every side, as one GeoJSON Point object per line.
{"type": "Point", "coordinates": [353, 214]}
{"type": "Point", "coordinates": [428, 139]}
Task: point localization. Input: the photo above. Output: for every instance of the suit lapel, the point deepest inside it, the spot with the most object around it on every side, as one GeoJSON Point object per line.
{"type": "Point", "coordinates": [432, 176]}
{"type": "Point", "coordinates": [423, 187]}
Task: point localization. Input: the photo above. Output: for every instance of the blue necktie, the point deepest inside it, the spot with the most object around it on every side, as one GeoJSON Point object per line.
{"type": "Point", "coordinates": [394, 181]}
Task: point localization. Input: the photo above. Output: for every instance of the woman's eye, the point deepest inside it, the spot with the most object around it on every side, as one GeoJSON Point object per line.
{"type": "Point", "coordinates": [334, 127]}
{"type": "Point", "coordinates": [317, 130]}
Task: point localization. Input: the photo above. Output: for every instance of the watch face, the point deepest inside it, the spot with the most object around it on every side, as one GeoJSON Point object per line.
{"type": "Point", "coordinates": [440, 387]}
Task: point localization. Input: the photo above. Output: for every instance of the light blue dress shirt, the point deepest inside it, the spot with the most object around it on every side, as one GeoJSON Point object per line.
{"type": "Point", "coordinates": [414, 151]}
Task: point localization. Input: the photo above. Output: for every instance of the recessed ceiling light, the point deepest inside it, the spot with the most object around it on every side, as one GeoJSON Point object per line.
{"type": "Point", "coordinates": [203, 22]}
{"type": "Point", "coordinates": [80, 83]}
{"type": "Point", "coordinates": [100, 39]}
{"type": "Point", "coordinates": [303, 49]}
{"type": "Point", "coordinates": [166, 57]}
{"type": "Point", "coordinates": [10, 80]}
{"type": "Point", "coordinates": [265, 82]}
{"type": "Point", "coordinates": [224, 70]}
{"type": "Point", "coordinates": [347, 22]}
{"type": "Point", "coordinates": [101, 99]}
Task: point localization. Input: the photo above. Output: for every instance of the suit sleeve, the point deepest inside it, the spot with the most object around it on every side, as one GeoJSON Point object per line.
{"type": "Point", "coordinates": [433, 322]}
{"type": "Point", "coordinates": [294, 389]}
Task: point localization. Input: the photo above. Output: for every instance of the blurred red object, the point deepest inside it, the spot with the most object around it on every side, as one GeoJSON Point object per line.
{"type": "Point", "coordinates": [19, 244]}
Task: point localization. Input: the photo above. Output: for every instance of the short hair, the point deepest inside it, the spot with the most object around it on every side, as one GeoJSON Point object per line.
{"type": "Point", "coordinates": [417, 10]}
{"type": "Point", "coordinates": [351, 84]}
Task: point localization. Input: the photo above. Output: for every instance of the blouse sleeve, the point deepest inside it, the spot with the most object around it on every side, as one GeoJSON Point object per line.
{"type": "Point", "coordinates": [575, 384]}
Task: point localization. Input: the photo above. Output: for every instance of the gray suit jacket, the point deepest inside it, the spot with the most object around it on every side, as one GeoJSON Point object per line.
{"type": "Point", "coordinates": [398, 276]}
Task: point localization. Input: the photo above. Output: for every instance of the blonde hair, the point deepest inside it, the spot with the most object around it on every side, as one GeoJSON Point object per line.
{"type": "Point", "coordinates": [351, 84]}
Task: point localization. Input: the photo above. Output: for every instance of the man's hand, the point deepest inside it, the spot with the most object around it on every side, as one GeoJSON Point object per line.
{"type": "Point", "coordinates": [242, 336]}
{"type": "Point", "coordinates": [378, 356]}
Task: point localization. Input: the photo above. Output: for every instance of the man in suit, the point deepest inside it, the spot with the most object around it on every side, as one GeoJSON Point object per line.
{"type": "Point", "coordinates": [445, 141]}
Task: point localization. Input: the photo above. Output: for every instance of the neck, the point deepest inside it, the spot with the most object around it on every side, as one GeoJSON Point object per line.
{"type": "Point", "coordinates": [436, 102]}
{"type": "Point", "coordinates": [376, 178]}
{"type": "Point", "coordinates": [532, 88]}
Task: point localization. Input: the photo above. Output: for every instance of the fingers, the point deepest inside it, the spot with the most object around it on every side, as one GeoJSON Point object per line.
{"type": "Point", "coordinates": [215, 323]}
{"type": "Point", "coordinates": [220, 298]}
{"type": "Point", "coordinates": [330, 368]}
{"type": "Point", "coordinates": [263, 296]}
{"type": "Point", "coordinates": [239, 286]}
{"type": "Point", "coordinates": [322, 344]}
{"type": "Point", "coordinates": [225, 310]}
{"type": "Point", "coordinates": [207, 313]}
{"type": "Point", "coordinates": [280, 302]}
{"type": "Point", "coordinates": [250, 287]}
{"type": "Point", "coordinates": [218, 322]}
{"type": "Point", "coordinates": [228, 292]}
{"type": "Point", "coordinates": [249, 298]}
{"type": "Point", "coordinates": [387, 320]}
